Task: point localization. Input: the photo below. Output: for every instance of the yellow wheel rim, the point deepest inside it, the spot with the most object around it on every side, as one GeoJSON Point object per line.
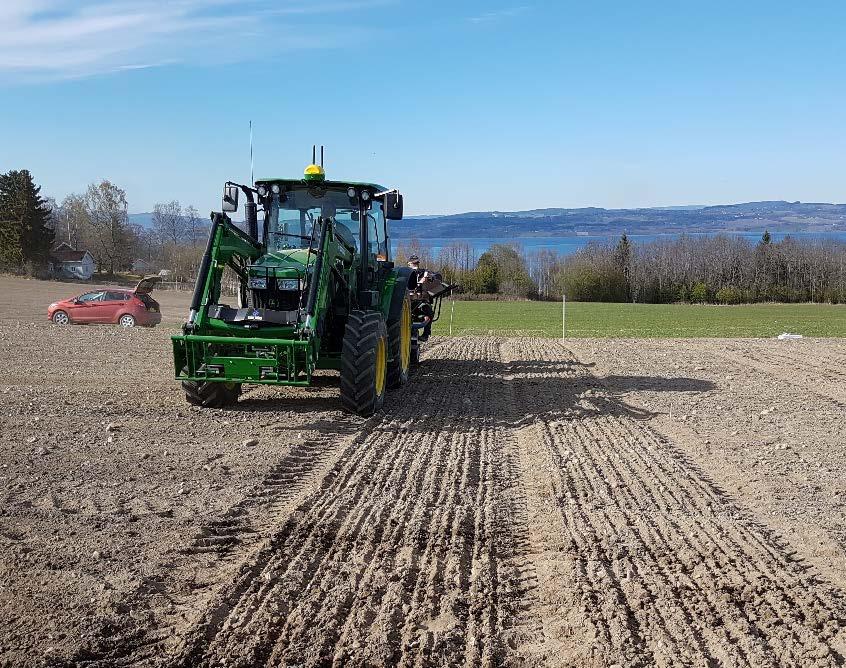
{"type": "Point", "coordinates": [405, 336]}
{"type": "Point", "coordinates": [381, 366]}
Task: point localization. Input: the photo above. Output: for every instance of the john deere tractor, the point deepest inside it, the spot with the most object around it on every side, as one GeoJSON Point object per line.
{"type": "Point", "coordinates": [314, 288]}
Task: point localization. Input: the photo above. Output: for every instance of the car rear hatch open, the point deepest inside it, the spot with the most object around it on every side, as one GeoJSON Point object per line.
{"type": "Point", "coordinates": [145, 285]}
{"type": "Point", "coordinates": [144, 288]}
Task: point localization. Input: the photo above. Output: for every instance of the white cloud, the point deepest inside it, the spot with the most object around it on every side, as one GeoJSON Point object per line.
{"type": "Point", "coordinates": [498, 14]}
{"type": "Point", "coordinates": [55, 39]}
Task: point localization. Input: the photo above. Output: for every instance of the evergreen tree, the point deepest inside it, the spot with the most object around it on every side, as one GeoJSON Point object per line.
{"type": "Point", "coordinates": [10, 243]}
{"type": "Point", "coordinates": [766, 239]}
{"type": "Point", "coordinates": [25, 232]}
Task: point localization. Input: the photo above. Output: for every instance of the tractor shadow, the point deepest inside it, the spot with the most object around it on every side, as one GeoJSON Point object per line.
{"type": "Point", "coordinates": [320, 396]}
{"type": "Point", "coordinates": [472, 393]}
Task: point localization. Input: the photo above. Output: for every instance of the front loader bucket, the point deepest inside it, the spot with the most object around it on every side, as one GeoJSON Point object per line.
{"type": "Point", "coordinates": [242, 360]}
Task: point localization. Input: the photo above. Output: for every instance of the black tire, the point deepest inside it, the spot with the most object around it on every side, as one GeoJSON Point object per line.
{"type": "Point", "coordinates": [210, 395]}
{"type": "Point", "coordinates": [399, 363]}
{"type": "Point", "coordinates": [365, 350]}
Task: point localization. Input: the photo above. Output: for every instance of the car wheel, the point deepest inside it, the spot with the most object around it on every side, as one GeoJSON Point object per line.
{"type": "Point", "coordinates": [127, 320]}
{"type": "Point", "coordinates": [61, 318]}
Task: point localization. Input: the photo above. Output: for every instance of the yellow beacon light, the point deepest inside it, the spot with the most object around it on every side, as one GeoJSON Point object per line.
{"type": "Point", "coordinates": [314, 172]}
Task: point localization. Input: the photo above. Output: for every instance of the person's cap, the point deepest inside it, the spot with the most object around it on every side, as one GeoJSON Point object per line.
{"type": "Point", "coordinates": [413, 258]}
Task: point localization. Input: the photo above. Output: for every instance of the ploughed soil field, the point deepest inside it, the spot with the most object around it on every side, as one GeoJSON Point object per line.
{"type": "Point", "coordinates": [522, 502]}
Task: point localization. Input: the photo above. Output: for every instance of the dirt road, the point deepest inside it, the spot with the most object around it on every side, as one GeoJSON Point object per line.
{"type": "Point", "coordinates": [520, 503]}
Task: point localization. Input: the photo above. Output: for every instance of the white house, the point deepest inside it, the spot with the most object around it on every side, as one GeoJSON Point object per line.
{"type": "Point", "coordinates": [69, 263]}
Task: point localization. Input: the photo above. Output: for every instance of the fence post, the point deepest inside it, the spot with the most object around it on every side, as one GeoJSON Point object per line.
{"type": "Point", "coordinates": [563, 317]}
{"type": "Point", "coordinates": [451, 314]}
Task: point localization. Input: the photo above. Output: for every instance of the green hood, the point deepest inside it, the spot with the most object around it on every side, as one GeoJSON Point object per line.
{"type": "Point", "coordinates": [284, 263]}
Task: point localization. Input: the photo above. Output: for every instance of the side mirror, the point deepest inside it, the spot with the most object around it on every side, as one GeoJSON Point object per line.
{"type": "Point", "coordinates": [393, 205]}
{"type": "Point", "coordinates": [230, 197]}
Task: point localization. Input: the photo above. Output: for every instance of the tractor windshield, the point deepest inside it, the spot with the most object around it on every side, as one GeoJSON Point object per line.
{"type": "Point", "coordinates": [294, 213]}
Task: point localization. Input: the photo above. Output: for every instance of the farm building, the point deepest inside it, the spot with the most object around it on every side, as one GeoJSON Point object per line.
{"type": "Point", "coordinates": [66, 262]}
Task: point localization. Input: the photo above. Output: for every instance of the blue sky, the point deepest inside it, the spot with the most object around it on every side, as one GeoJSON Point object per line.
{"type": "Point", "coordinates": [462, 105]}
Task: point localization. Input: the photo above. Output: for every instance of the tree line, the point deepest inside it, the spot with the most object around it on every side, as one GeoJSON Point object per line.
{"type": "Point", "coordinates": [96, 220]}
{"type": "Point", "coordinates": [715, 269]}
{"type": "Point", "coordinates": [703, 269]}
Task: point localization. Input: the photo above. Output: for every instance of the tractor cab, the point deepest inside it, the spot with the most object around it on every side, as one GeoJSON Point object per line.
{"type": "Point", "coordinates": [296, 212]}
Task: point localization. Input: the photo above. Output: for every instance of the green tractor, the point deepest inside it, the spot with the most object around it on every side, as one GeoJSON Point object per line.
{"type": "Point", "coordinates": [315, 289]}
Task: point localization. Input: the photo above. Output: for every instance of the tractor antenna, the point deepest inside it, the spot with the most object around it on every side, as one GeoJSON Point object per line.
{"type": "Point", "coordinates": [252, 178]}
{"type": "Point", "coordinates": [313, 153]}
{"type": "Point", "coordinates": [321, 155]}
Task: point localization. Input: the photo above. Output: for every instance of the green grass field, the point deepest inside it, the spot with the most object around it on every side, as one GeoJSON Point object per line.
{"type": "Point", "coordinates": [587, 319]}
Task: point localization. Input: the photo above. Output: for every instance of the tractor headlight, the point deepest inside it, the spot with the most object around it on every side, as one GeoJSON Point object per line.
{"type": "Point", "coordinates": [256, 283]}
{"type": "Point", "coordinates": [351, 193]}
{"type": "Point", "coordinates": [275, 188]}
{"type": "Point", "coordinates": [365, 195]}
{"type": "Point", "coordinates": [289, 284]}
{"type": "Point", "coordinates": [262, 191]}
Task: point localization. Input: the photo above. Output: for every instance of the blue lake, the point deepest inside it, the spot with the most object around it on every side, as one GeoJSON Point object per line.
{"type": "Point", "coordinates": [567, 245]}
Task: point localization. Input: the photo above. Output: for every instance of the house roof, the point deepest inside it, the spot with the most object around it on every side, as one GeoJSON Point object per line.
{"type": "Point", "coordinates": [67, 255]}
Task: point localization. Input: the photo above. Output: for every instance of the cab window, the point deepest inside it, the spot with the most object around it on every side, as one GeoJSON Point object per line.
{"type": "Point", "coordinates": [115, 297]}
{"type": "Point", "coordinates": [376, 232]}
{"type": "Point", "coordinates": [92, 297]}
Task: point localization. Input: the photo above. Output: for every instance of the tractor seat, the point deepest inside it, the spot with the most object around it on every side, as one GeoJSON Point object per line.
{"type": "Point", "coordinates": [344, 234]}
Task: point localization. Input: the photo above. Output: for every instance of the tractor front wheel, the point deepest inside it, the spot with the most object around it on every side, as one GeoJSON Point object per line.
{"type": "Point", "coordinates": [211, 395]}
{"type": "Point", "coordinates": [364, 363]}
{"type": "Point", "coordinates": [399, 342]}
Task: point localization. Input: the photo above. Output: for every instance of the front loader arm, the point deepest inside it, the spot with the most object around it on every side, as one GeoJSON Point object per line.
{"type": "Point", "coordinates": [227, 245]}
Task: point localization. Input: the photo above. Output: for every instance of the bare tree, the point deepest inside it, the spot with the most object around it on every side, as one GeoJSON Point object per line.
{"type": "Point", "coordinates": [106, 226]}
{"type": "Point", "coordinates": [193, 227]}
{"type": "Point", "coordinates": [169, 223]}
{"type": "Point", "coordinates": [414, 246]}
{"type": "Point", "coordinates": [72, 221]}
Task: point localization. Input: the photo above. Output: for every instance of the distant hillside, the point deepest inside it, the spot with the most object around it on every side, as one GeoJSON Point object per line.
{"type": "Point", "coordinates": [747, 217]}
{"type": "Point", "coordinates": [143, 219]}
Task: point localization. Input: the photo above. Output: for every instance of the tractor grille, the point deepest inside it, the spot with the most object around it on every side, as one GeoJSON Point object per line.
{"type": "Point", "coordinates": [278, 300]}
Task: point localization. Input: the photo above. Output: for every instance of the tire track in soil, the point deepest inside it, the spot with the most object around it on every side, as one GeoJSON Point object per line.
{"type": "Point", "coordinates": [395, 559]}
{"type": "Point", "coordinates": [825, 381]}
{"type": "Point", "coordinates": [640, 560]}
{"type": "Point", "coordinates": [215, 548]}
{"type": "Point", "coordinates": [507, 509]}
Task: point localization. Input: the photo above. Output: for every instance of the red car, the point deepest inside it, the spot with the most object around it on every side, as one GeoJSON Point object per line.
{"type": "Point", "coordinates": [121, 306]}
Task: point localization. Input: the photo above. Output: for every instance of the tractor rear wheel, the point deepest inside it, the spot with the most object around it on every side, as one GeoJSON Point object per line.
{"type": "Point", "coordinates": [364, 363]}
{"type": "Point", "coordinates": [399, 344]}
{"type": "Point", "coordinates": [211, 395]}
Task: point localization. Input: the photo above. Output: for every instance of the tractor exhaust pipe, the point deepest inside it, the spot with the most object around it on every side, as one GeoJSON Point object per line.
{"type": "Point", "coordinates": [202, 273]}
{"type": "Point", "coordinates": [251, 216]}
{"type": "Point", "coordinates": [311, 301]}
